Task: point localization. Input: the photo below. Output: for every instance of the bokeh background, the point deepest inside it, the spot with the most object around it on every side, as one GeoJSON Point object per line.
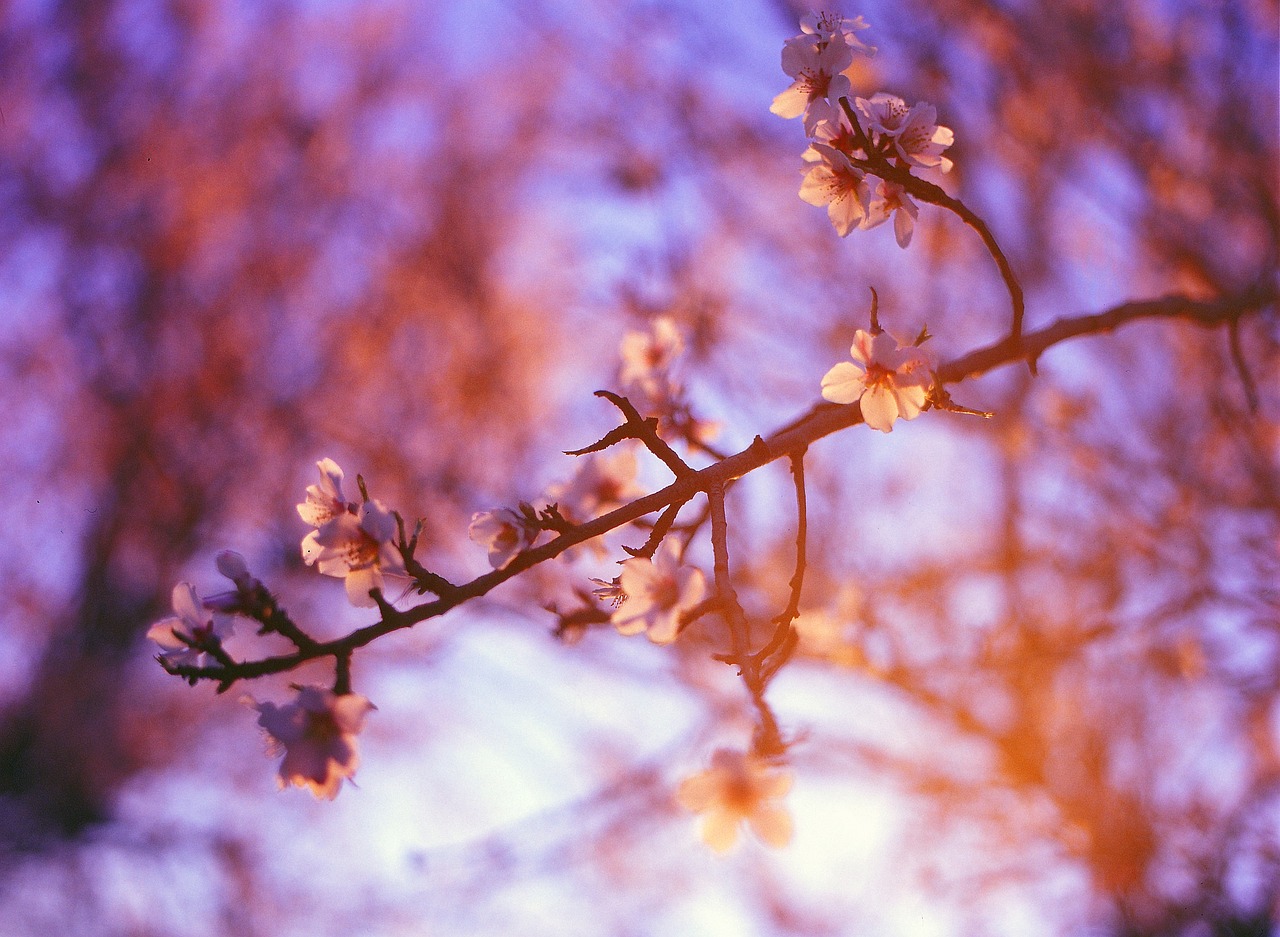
{"type": "Point", "coordinates": [1037, 689]}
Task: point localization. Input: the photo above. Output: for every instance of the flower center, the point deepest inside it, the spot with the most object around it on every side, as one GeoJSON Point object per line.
{"type": "Point", "coordinates": [815, 82]}
{"type": "Point", "coordinates": [665, 592]}
{"type": "Point", "coordinates": [362, 551]}
{"type": "Point", "coordinates": [321, 727]}
{"type": "Point", "coordinates": [879, 376]}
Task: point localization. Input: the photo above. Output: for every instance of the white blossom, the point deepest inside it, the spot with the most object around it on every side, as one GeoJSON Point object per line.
{"type": "Point", "coordinates": [317, 735]}
{"type": "Point", "coordinates": [359, 547]}
{"type": "Point", "coordinates": [835, 182]}
{"type": "Point", "coordinates": [917, 138]}
{"type": "Point", "coordinates": [503, 532]}
{"type": "Point", "coordinates": [192, 624]}
{"type": "Point", "coordinates": [890, 381]}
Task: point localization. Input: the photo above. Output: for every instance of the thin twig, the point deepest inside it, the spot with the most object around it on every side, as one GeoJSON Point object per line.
{"type": "Point", "coordinates": [935, 195]}
{"type": "Point", "coordinates": [660, 529]}
{"type": "Point", "coordinates": [1242, 366]}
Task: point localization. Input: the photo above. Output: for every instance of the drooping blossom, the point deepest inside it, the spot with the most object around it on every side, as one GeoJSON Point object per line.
{"type": "Point", "coordinates": [890, 381]}
{"type": "Point", "coordinates": [193, 627]}
{"type": "Point", "coordinates": [738, 788]}
{"type": "Point", "coordinates": [891, 199]}
{"type": "Point", "coordinates": [647, 359]}
{"type": "Point", "coordinates": [359, 547]}
{"type": "Point", "coordinates": [602, 482]}
{"type": "Point", "coordinates": [658, 591]}
{"type": "Point", "coordinates": [917, 138]}
{"type": "Point", "coordinates": [503, 532]}
{"type": "Point", "coordinates": [835, 182]}
{"type": "Point", "coordinates": [317, 735]}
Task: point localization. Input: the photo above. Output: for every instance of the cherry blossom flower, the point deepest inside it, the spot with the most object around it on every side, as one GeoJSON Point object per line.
{"type": "Point", "coordinates": [503, 532]}
{"type": "Point", "coordinates": [834, 129]}
{"type": "Point", "coordinates": [815, 65]}
{"type": "Point", "coordinates": [738, 787]}
{"type": "Point", "coordinates": [890, 381]}
{"type": "Point", "coordinates": [892, 199]}
{"type": "Point", "coordinates": [916, 136]}
{"type": "Point", "coordinates": [647, 358]}
{"type": "Point", "coordinates": [835, 182]}
{"type": "Point", "coordinates": [603, 482]}
{"type": "Point", "coordinates": [358, 547]}
{"type": "Point", "coordinates": [826, 25]}
{"type": "Point", "coordinates": [658, 591]}
{"type": "Point", "coordinates": [317, 735]}
{"type": "Point", "coordinates": [324, 501]}
{"type": "Point", "coordinates": [193, 627]}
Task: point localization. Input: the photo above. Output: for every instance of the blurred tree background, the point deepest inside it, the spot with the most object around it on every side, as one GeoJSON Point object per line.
{"type": "Point", "coordinates": [1039, 679]}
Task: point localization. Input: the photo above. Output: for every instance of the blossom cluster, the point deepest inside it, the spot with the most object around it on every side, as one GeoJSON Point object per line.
{"type": "Point", "coordinates": [316, 732]}
{"type": "Point", "coordinates": [851, 136]}
{"type": "Point", "coordinates": [652, 594]}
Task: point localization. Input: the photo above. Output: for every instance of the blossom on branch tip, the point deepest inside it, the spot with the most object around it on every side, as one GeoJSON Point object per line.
{"type": "Point", "coordinates": [503, 532]}
{"type": "Point", "coordinates": [324, 501]}
{"type": "Point", "coordinates": [835, 182]}
{"type": "Point", "coordinates": [738, 788]}
{"type": "Point", "coordinates": [914, 132]}
{"type": "Point", "coordinates": [317, 735]}
{"type": "Point", "coordinates": [184, 638]}
{"type": "Point", "coordinates": [658, 592]}
{"type": "Point", "coordinates": [358, 547]}
{"type": "Point", "coordinates": [815, 65]}
{"type": "Point", "coordinates": [888, 380]}
{"type": "Point", "coordinates": [826, 25]}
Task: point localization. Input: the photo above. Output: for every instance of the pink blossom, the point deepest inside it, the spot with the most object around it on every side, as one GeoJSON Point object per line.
{"type": "Point", "coordinates": [891, 199]}
{"type": "Point", "coordinates": [503, 532]}
{"type": "Point", "coordinates": [835, 182]}
{"type": "Point", "coordinates": [917, 138]}
{"type": "Point", "coordinates": [888, 380]}
{"type": "Point", "coordinates": [317, 735]}
{"type": "Point", "coordinates": [358, 547]}
{"type": "Point", "coordinates": [182, 638]}
{"type": "Point", "coordinates": [657, 593]}
{"type": "Point", "coordinates": [603, 482]}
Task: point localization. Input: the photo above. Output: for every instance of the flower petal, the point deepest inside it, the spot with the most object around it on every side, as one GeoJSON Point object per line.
{"type": "Point", "coordinates": [844, 383]}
